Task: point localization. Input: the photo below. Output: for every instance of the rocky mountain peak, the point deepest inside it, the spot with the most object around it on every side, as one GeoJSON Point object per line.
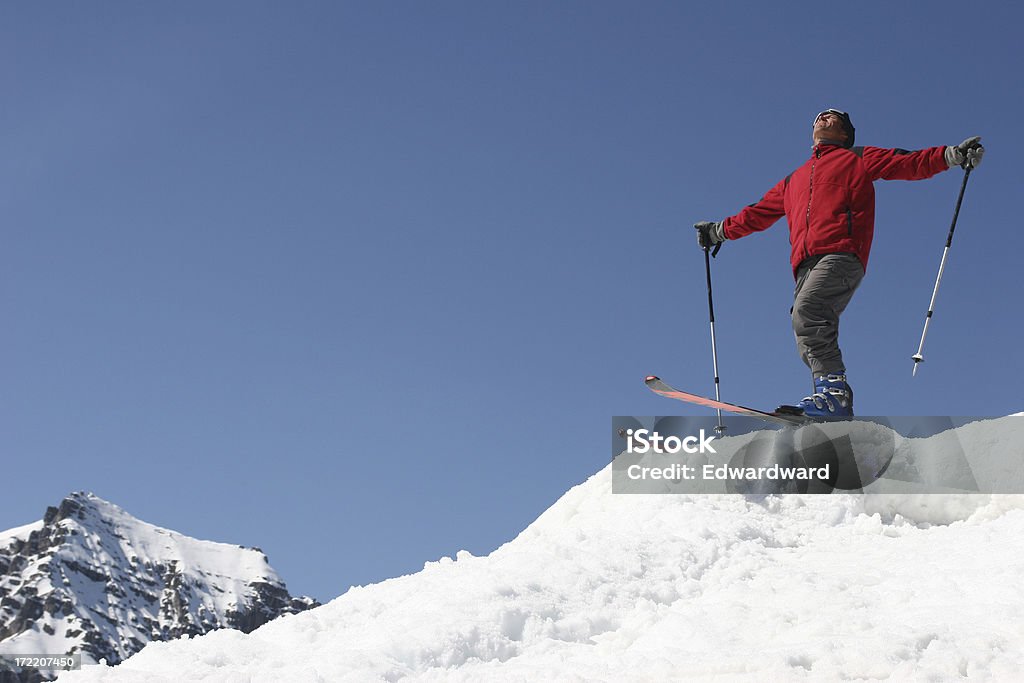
{"type": "Point", "coordinates": [90, 578]}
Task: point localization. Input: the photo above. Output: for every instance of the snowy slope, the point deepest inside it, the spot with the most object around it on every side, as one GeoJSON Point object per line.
{"type": "Point", "coordinates": [92, 579]}
{"type": "Point", "coordinates": [607, 587]}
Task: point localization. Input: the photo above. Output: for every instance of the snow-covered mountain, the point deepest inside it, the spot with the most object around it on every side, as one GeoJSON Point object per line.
{"type": "Point", "coordinates": [92, 579]}
{"type": "Point", "coordinates": [641, 588]}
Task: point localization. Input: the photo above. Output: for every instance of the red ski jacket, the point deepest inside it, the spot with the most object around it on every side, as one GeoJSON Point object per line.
{"type": "Point", "coordinates": [830, 201]}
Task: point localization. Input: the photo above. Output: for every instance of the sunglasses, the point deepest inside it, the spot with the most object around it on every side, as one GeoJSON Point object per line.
{"type": "Point", "coordinates": [840, 114]}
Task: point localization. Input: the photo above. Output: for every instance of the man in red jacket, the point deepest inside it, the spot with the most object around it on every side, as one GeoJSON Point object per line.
{"type": "Point", "coordinates": [829, 203]}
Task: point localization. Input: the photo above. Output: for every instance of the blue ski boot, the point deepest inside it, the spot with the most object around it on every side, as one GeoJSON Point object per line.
{"type": "Point", "coordinates": [832, 397]}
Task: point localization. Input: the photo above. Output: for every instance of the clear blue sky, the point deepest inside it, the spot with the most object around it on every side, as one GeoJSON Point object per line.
{"type": "Point", "coordinates": [363, 283]}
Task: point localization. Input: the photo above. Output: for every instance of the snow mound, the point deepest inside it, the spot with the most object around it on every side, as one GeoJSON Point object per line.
{"type": "Point", "coordinates": [605, 587]}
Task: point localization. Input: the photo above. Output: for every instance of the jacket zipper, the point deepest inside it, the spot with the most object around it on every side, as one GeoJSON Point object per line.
{"type": "Point", "coordinates": [810, 194]}
{"type": "Point", "coordinates": [849, 222]}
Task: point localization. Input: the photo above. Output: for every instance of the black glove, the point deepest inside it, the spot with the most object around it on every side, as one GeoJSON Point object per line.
{"type": "Point", "coordinates": [709, 234]}
{"type": "Point", "coordinates": [967, 153]}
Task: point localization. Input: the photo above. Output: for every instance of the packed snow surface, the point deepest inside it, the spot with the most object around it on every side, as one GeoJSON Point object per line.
{"type": "Point", "coordinates": [606, 587]}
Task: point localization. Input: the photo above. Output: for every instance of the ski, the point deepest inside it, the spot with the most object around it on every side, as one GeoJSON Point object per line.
{"type": "Point", "coordinates": [656, 385]}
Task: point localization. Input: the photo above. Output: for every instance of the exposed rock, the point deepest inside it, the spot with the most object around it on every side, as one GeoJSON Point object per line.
{"type": "Point", "coordinates": [91, 579]}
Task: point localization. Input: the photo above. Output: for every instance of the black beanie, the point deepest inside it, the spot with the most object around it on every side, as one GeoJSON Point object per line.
{"type": "Point", "coordinates": [850, 130]}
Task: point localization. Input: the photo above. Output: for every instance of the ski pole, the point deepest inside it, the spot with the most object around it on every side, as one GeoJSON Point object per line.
{"type": "Point", "coordinates": [714, 347]}
{"type": "Point", "coordinates": [942, 266]}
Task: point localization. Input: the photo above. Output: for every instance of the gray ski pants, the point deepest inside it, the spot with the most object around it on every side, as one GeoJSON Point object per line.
{"type": "Point", "coordinates": [824, 287]}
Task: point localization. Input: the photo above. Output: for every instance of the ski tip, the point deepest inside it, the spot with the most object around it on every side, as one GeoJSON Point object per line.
{"type": "Point", "coordinates": [651, 378]}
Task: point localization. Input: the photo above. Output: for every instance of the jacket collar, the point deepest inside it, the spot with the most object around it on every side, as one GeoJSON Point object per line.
{"type": "Point", "coordinates": [826, 146]}
{"type": "Point", "coordinates": [829, 143]}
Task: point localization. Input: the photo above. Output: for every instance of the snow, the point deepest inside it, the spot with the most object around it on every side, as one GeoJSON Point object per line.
{"type": "Point", "coordinates": [606, 587]}
{"type": "Point", "coordinates": [19, 533]}
{"type": "Point", "coordinates": [149, 543]}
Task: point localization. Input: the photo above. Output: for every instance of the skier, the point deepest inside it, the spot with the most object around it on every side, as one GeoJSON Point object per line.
{"type": "Point", "coordinates": [829, 203]}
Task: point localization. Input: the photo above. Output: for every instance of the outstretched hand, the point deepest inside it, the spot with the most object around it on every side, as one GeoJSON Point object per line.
{"type": "Point", "coordinates": [967, 154]}
{"type": "Point", "coordinates": [710, 234]}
